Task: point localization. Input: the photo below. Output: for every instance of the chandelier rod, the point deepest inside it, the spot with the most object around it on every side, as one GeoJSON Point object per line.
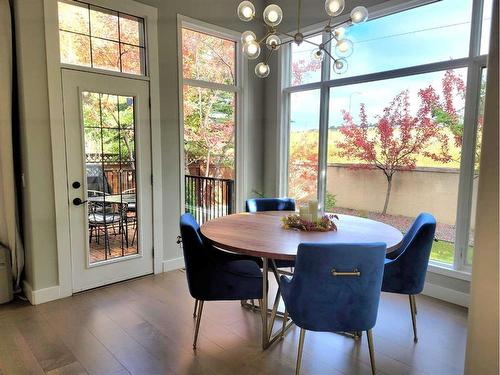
{"type": "Point", "coordinates": [299, 6]}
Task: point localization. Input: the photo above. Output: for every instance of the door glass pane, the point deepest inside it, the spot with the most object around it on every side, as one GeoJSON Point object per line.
{"type": "Point", "coordinates": [477, 157]}
{"type": "Point", "coordinates": [435, 32]}
{"type": "Point", "coordinates": [303, 145]}
{"type": "Point", "coordinates": [109, 134]}
{"type": "Point", "coordinates": [305, 69]}
{"type": "Point", "coordinates": [394, 151]}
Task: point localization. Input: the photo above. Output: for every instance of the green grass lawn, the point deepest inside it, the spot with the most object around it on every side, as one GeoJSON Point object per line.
{"type": "Point", "coordinates": [442, 251]}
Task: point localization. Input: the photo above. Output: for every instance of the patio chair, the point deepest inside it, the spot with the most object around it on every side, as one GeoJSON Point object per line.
{"type": "Point", "coordinates": [132, 208]}
{"type": "Point", "coordinates": [335, 288]}
{"type": "Point", "coordinates": [100, 219]}
{"type": "Point", "coordinates": [406, 268]}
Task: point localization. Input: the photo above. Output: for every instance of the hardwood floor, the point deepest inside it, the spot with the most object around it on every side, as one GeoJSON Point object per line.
{"type": "Point", "coordinates": [145, 326]}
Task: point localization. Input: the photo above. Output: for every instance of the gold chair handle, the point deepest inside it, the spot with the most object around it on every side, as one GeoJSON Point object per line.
{"type": "Point", "coordinates": [355, 272]}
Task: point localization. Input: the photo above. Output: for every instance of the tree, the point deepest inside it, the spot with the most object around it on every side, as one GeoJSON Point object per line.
{"type": "Point", "coordinates": [208, 114]}
{"type": "Point", "coordinates": [446, 113]}
{"type": "Point", "coordinates": [397, 138]}
{"type": "Point", "coordinates": [301, 68]}
{"type": "Point", "coordinates": [303, 165]}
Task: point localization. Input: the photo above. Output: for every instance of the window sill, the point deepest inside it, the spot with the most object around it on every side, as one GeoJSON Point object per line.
{"type": "Point", "coordinates": [445, 271]}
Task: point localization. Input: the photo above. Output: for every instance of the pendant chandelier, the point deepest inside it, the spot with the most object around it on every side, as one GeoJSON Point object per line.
{"type": "Point", "coordinates": [272, 17]}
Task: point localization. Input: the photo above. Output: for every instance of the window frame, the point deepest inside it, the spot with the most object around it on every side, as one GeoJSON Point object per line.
{"type": "Point", "coordinates": [241, 95]}
{"type": "Point", "coordinates": [474, 63]}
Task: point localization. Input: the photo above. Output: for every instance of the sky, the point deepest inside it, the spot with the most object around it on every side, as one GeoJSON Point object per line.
{"type": "Point", "coordinates": [432, 33]}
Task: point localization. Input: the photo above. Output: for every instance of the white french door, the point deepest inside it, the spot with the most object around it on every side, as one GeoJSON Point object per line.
{"type": "Point", "coordinates": [108, 150]}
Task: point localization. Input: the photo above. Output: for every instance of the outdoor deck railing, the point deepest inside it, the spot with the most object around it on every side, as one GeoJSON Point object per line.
{"type": "Point", "coordinates": [207, 198]}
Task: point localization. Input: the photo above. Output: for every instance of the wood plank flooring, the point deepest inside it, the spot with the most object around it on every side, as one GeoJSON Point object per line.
{"type": "Point", "coordinates": [145, 326]}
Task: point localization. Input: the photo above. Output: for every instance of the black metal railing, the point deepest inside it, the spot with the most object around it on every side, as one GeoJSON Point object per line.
{"type": "Point", "coordinates": [207, 198]}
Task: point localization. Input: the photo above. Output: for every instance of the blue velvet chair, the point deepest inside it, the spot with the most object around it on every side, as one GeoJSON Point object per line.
{"type": "Point", "coordinates": [335, 288]}
{"type": "Point", "coordinates": [406, 268]}
{"type": "Point", "coordinates": [272, 204]}
{"type": "Point", "coordinates": [215, 275]}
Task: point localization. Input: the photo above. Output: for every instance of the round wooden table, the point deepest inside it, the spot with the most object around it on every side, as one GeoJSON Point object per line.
{"type": "Point", "coordinates": [262, 235]}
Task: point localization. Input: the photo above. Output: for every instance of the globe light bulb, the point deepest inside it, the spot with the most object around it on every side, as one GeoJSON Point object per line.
{"type": "Point", "coordinates": [334, 7]}
{"type": "Point", "coordinates": [340, 66]}
{"type": "Point", "coordinates": [359, 14]}
{"type": "Point", "coordinates": [251, 50]}
{"type": "Point", "coordinates": [272, 15]}
{"type": "Point", "coordinates": [262, 70]}
{"type": "Point", "coordinates": [344, 48]}
{"type": "Point", "coordinates": [339, 32]}
{"type": "Point", "coordinates": [273, 42]}
{"type": "Point", "coordinates": [248, 36]}
{"type": "Point", "coordinates": [246, 11]}
{"type": "Point", "coordinates": [318, 54]}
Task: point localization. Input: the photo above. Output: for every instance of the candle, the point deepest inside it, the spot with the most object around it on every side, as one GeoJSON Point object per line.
{"type": "Point", "coordinates": [307, 217]}
{"type": "Point", "coordinates": [313, 209]}
{"type": "Point", "coordinates": [303, 211]}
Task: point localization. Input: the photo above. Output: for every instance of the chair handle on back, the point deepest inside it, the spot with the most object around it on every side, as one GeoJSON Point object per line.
{"type": "Point", "coordinates": [355, 272]}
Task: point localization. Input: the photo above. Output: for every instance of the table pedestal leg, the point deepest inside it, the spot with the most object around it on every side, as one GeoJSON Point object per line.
{"type": "Point", "coordinates": [263, 310]}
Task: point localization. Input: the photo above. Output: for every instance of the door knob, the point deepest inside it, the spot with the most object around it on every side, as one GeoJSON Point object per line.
{"type": "Point", "coordinates": [78, 202]}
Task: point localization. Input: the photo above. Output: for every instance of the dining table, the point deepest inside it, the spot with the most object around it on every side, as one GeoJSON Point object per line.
{"type": "Point", "coordinates": [263, 235]}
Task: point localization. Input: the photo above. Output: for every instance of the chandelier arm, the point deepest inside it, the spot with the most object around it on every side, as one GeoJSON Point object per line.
{"type": "Point", "coordinates": [299, 6]}
{"type": "Point", "coordinates": [264, 38]}
{"type": "Point", "coordinates": [331, 38]}
{"type": "Point", "coordinates": [268, 56]}
{"type": "Point", "coordinates": [286, 34]}
{"type": "Point", "coordinates": [308, 41]}
{"type": "Point", "coordinates": [330, 55]}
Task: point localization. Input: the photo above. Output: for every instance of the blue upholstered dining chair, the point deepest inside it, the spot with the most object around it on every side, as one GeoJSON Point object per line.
{"type": "Point", "coordinates": [406, 268]}
{"type": "Point", "coordinates": [335, 288]}
{"type": "Point", "coordinates": [215, 275]}
{"type": "Point", "coordinates": [272, 204]}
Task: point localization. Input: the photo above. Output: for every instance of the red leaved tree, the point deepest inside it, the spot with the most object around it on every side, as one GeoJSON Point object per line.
{"type": "Point", "coordinates": [397, 139]}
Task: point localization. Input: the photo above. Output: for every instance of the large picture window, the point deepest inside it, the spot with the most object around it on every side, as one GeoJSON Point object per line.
{"type": "Point", "coordinates": [210, 110]}
{"type": "Point", "coordinates": [399, 133]}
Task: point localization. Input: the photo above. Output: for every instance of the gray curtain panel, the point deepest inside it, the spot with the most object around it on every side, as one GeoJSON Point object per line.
{"type": "Point", "coordinates": [9, 216]}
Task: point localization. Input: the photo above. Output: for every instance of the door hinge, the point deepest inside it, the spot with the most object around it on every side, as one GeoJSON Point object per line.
{"type": "Point", "coordinates": [151, 179]}
{"type": "Point", "coordinates": [153, 251]}
{"type": "Point", "coordinates": [149, 102]}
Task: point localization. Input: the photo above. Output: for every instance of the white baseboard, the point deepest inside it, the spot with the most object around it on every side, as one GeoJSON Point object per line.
{"type": "Point", "coordinates": [446, 294]}
{"type": "Point", "coordinates": [39, 296]}
{"type": "Point", "coordinates": [173, 264]}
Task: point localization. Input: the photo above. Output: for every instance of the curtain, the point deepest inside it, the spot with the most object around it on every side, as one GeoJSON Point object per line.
{"type": "Point", "coordinates": [9, 215]}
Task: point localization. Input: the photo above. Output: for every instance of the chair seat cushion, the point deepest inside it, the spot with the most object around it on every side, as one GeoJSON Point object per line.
{"type": "Point", "coordinates": [102, 219]}
{"type": "Point", "coordinates": [243, 268]}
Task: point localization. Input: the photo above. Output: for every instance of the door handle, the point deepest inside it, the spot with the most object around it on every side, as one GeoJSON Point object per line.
{"type": "Point", "coordinates": [78, 201]}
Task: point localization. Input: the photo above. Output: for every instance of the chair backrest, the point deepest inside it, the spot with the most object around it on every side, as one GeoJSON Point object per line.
{"type": "Point", "coordinates": [406, 274]}
{"type": "Point", "coordinates": [269, 204]}
{"type": "Point", "coordinates": [196, 254]}
{"type": "Point", "coordinates": [322, 301]}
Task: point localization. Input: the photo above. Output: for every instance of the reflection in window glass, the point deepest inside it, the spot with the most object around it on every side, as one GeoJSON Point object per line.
{"type": "Point", "coordinates": [208, 58]}
{"type": "Point", "coordinates": [394, 150]}
{"type": "Point", "coordinates": [100, 38]}
{"type": "Point", "coordinates": [477, 157]}
{"type": "Point", "coordinates": [304, 145]}
{"type": "Point", "coordinates": [436, 32]}
{"type": "Point", "coordinates": [305, 69]}
{"type": "Point", "coordinates": [486, 26]}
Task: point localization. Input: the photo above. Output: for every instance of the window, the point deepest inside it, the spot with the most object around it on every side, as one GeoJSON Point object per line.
{"type": "Point", "coordinates": [100, 38]}
{"type": "Point", "coordinates": [210, 108]}
{"type": "Point", "coordinates": [400, 143]}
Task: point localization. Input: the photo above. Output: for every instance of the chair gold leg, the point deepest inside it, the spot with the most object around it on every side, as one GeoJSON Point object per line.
{"type": "Point", "coordinates": [370, 348]}
{"type": "Point", "coordinates": [413, 317]}
{"type": "Point", "coordinates": [285, 319]}
{"type": "Point", "coordinates": [195, 308]}
{"type": "Point", "coordinates": [198, 319]}
{"type": "Point", "coordinates": [299, 353]}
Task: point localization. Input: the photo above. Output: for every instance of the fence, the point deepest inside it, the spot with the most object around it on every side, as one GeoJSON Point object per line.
{"type": "Point", "coordinates": [207, 198]}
